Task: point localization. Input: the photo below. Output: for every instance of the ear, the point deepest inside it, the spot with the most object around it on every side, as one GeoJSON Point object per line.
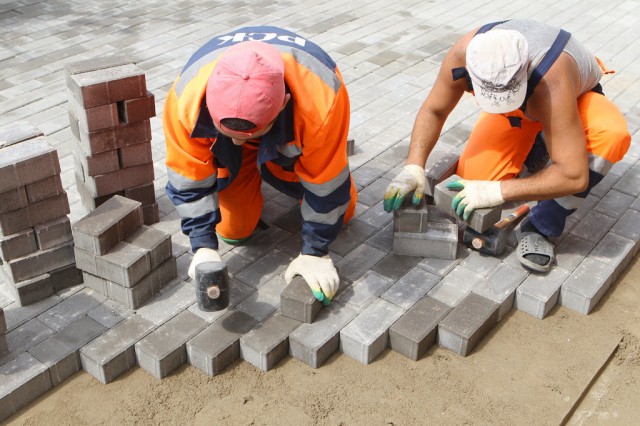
{"type": "Point", "coordinates": [286, 99]}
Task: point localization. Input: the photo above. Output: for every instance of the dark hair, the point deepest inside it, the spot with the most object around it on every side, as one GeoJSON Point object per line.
{"type": "Point", "coordinates": [237, 124]}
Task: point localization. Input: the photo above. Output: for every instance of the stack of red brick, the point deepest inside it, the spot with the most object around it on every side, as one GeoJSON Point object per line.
{"type": "Point", "coordinates": [119, 256]}
{"type": "Point", "coordinates": [109, 112]}
{"type": "Point", "coordinates": [36, 243]}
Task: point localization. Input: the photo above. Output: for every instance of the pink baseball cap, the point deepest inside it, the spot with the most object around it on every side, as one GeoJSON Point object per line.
{"type": "Point", "coordinates": [247, 82]}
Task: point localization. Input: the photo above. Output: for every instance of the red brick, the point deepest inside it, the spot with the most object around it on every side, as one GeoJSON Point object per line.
{"type": "Point", "coordinates": [95, 64]}
{"type": "Point", "coordinates": [13, 199]}
{"type": "Point", "coordinates": [146, 193]}
{"type": "Point", "coordinates": [151, 214]}
{"type": "Point", "coordinates": [43, 189]}
{"type": "Point", "coordinates": [111, 138]}
{"type": "Point", "coordinates": [95, 118]}
{"type": "Point", "coordinates": [17, 245]}
{"type": "Point", "coordinates": [135, 155]}
{"type": "Point", "coordinates": [108, 85]}
{"type": "Point", "coordinates": [97, 164]}
{"type": "Point", "coordinates": [120, 180]}
{"type": "Point", "coordinates": [53, 233]}
{"type": "Point", "coordinates": [132, 110]}
{"type": "Point", "coordinates": [27, 162]}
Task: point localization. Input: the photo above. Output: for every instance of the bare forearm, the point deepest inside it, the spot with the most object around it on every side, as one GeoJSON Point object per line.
{"type": "Point", "coordinates": [549, 183]}
{"type": "Point", "coordinates": [424, 136]}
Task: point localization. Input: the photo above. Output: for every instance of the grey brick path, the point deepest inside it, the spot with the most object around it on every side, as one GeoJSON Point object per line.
{"type": "Point", "coordinates": [389, 54]}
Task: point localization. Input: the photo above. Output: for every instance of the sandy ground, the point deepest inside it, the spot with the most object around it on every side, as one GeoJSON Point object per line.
{"type": "Point", "coordinates": [583, 369]}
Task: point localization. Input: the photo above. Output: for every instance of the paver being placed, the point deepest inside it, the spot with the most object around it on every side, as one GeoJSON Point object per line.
{"type": "Point", "coordinates": [298, 302]}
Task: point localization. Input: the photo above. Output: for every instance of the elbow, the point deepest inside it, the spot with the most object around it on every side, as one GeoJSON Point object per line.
{"type": "Point", "coordinates": [580, 182]}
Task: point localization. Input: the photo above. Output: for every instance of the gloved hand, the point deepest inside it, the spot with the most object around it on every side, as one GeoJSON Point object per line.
{"type": "Point", "coordinates": [475, 194]}
{"type": "Point", "coordinates": [409, 179]}
{"type": "Point", "coordinates": [203, 254]}
{"type": "Point", "coordinates": [318, 272]}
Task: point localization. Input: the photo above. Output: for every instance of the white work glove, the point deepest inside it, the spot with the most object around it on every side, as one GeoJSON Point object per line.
{"type": "Point", "coordinates": [318, 272]}
{"type": "Point", "coordinates": [475, 194]}
{"type": "Point", "coordinates": [203, 254]}
{"type": "Point", "coordinates": [411, 178]}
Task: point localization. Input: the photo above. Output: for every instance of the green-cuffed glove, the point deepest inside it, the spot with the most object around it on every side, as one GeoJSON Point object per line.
{"type": "Point", "coordinates": [411, 178]}
{"type": "Point", "coordinates": [319, 273]}
{"type": "Point", "coordinates": [475, 194]}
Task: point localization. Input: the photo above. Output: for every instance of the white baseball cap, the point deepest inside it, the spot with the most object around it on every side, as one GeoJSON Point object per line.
{"type": "Point", "coordinates": [497, 62]}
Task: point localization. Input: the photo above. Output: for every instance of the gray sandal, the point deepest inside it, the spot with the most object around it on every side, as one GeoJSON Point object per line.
{"type": "Point", "coordinates": [532, 243]}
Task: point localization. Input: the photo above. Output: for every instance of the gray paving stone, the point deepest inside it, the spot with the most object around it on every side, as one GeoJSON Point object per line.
{"type": "Point", "coordinates": [586, 285]}
{"type": "Point", "coordinates": [165, 349]}
{"type": "Point", "coordinates": [442, 267]}
{"type": "Point", "coordinates": [40, 262]}
{"type": "Point", "coordinates": [500, 287]}
{"type": "Point", "coordinates": [31, 290]}
{"type": "Point", "coordinates": [238, 291]}
{"type": "Point", "coordinates": [374, 192]}
{"type": "Point", "coordinates": [65, 278]}
{"type": "Point", "coordinates": [218, 345]}
{"type": "Point", "coordinates": [480, 220]}
{"type": "Point", "coordinates": [411, 288]}
{"type": "Point", "coordinates": [17, 315]}
{"type": "Point", "coordinates": [357, 262]}
{"type": "Point", "coordinates": [314, 343]}
{"type": "Point", "coordinates": [383, 239]}
{"type": "Point", "coordinates": [54, 233]}
{"type": "Point", "coordinates": [455, 286]}
{"type": "Point", "coordinates": [268, 343]}
{"type": "Point", "coordinates": [615, 250]}
{"type": "Point", "coordinates": [364, 291]}
{"type": "Point", "coordinates": [107, 225]}
{"type": "Point", "coordinates": [24, 337]}
{"type": "Point", "coordinates": [630, 182]}
{"type": "Point", "coordinates": [265, 301]}
{"type": "Point", "coordinates": [60, 352]}
{"type": "Point", "coordinates": [375, 216]}
{"type": "Point", "coordinates": [481, 263]}
{"type": "Point", "coordinates": [113, 353]}
{"type": "Point", "coordinates": [110, 313]}
{"type": "Point", "coordinates": [265, 269]}
{"type": "Point", "coordinates": [440, 240]}
{"type": "Point", "coordinates": [352, 235]}
{"type": "Point", "coordinates": [70, 309]}
{"type": "Point", "coordinates": [628, 226]}
{"type": "Point", "coordinates": [539, 293]}
{"type": "Point", "coordinates": [157, 242]}
{"type": "Point", "coordinates": [125, 264]}
{"type": "Point", "coordinates": [171, 300]}
{"type": "Point", "coordinates": [593, 226]}
{"type": "Point", "coordinates": [17, 131]}
{"type": "Point", "coordinates": [467, 324]}
{"type": "Point", "coordinates": [298, 302]}
{"type": "Point", "coordinates": [614, 203]}
{"type": "Point", "coordinates": [394, 266]}
{"type": "Point", "coordinates": [261, 243]}
{"type": "Point", "coordinates": [441, 164]}
{"type": "Point", "coordinates": [416, 331]}
{"type": "Point", "coordinates": [571, 251]}
{"type": "Point", "coordinates": [26, 379]}
{"type": "Point", "coordinates": [367, 336]}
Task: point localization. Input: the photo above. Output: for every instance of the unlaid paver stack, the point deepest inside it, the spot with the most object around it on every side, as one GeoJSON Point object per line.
{"type": "Point", "coordinates": [36, 244]}
{"type": "Point", "coordinates": [109, 112]}
{"type": "Point", "coordinates": [119, 256]}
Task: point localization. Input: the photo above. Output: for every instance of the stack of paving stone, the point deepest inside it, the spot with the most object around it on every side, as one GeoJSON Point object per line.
{"type": "Point", "coordinates": [109, 112]}
{"type": "Point", "coordinates": [36, 244]}
{"type": "Point", "coordinates": [119, 256]}
{"type": "Point", "coordinates": [3, 331]}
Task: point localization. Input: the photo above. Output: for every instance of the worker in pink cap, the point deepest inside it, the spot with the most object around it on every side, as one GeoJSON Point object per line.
{"type": "Point", "coordinates": [539, 92]}
{"type": "Point", "coordinates": [260, 103]}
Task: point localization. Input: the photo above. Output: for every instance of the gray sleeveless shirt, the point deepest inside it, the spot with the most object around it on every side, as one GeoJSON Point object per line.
{"type": "Point", "coordinates": [540, 37]}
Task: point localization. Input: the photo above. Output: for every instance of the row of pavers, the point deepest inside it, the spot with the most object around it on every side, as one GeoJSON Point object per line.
{"type": "Point", "coordinates": [394, 301]}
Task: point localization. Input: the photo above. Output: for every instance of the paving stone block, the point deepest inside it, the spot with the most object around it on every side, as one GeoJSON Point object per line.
{"type": "Point", "coordinates": [27, 162]}
{"type": "Point", "coordinates": [455, 286]}
{"type": "Point", "coordinates": [69, 310]}
{"type": "Point", "coordinates": [218, 345]}
{"type": "Point", "coordinates": [358, 262]}
{"type": "Point", "coordinates": [138, 109]}
{"type": "Point", "coordinates": [500, 287]}
{"type": "Point", "coordinates": [165, 348]}
{"type": "Point", "coordinates": [94, 118]}
{"type": "Point", "coordinates": [135, 155]}
{"type": "Point", "coordinates": [110, 183]}
{"type": "Point", "coordinates": [630, 182]}
{"type": "Point", "coordinates": [17, 131]}
{"type": "Point", "coordinates": [110, 313]}
{"type": "Point", "coordinates": [17, 315]}
{"type": "Point", "coordinates": [442, 267]}
{"type": "Point", "coordinates": [94, 64]}
{"type": "Point", "coordinates": [53, 233]}
{"type": "Point", "coordinates": [107, 85]}
{"type": "Point", "coordinates": [351, 147]}
{"type": "Point", "coordinates": [13, 199]}
{"type": "Point", "coordinates": [411, 219]}
{"type": "Point", "coordinates": [593, 226]}
{"type": "Point", "coordinates": [151, 214]}
{"type": "Point", "coordinates": [586, 285]}
{"type": "Point", "coordinates": [24, 379]}
{"type": "Point", "coordinates": [265, 301]}
{"type": "Point", "coordinates": [3, 322]}
{"type": "Point", "coordinates": [367, 336]}
{"type": "Point", "coordinates": [415, 332]}
{"type": "Point", "coordinates": [111, 138]}
{"type": "Point", "coordinates": [143, 193]}
{"type": "Point", "coordinates": [43, 189]}
{"type": "Point", "coordinates": [107, 225]}
{"type": "Point", "coordinates": [298, 302]}
{"type": "Point", "coordinates": [352, 235]}
{"type": "Point", "coordinates": [571, 251]}
{"type": "Point", "coordinates": [24, 337]}
{"type": "Point", "coordinates": [172, 300]}
{"type": "Point", "coordinates": [395, 266]}
{"type": "Point", "coordinates": [113, 353]}
{"type": "Point", "coordinates": [39, 262]}
{"type": "Point", "coordinates": [261, 243]}
{"type": "Point", "coordinates": [364, 291]}
{"type": "Point", "coordinates": [263, 270]}
{"type": "Point", "coordinates": [439, 241]}
{"type": "Point", "coordinates": [3, 345]}
{"type": "Point", "coordinates": [411, 288]}
{"type": "Point", "coordinates": [628, 226]}
{"type": "Point", "coordinates": [31, 290]}
{"type": "Point", "coordinates": [480, 220]}
{"type": "Point", "coordinates": [467, 324]}
{"type": "Point", "coordinates": [441, 165]}
{"type": "Point", "coordinates": [614, 203]}
{"type": "Point", "coordinates": [60, 352]}
{"type": "Point", "coordinates": [96, 164]}
{"type": "Point", "coordinates": [615, 250]}
{"type": "Point", "coordinates": [481, 263]}
{"type": "Point", "coordinates": [268, 343]}
{"type": "Point", "coordinates": [314, 343]}
{"type": "Point", "coordinates": [65, 277]}
{"type": "Point", "coordinates": [18, 245]}
{"type": "Point", "coordinates": [238, 292]}
{"type": "Point", "coordinates": [538, 294]}
{"type": "Point", "coordinates": [125, 264]}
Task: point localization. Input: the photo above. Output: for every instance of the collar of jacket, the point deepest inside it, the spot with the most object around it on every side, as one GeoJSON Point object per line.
{"type": "Point", "coordinates": [280, 133]}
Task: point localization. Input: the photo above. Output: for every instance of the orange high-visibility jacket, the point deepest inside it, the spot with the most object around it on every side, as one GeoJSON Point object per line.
{"type": "Point", "coordinates": [304, 155]}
